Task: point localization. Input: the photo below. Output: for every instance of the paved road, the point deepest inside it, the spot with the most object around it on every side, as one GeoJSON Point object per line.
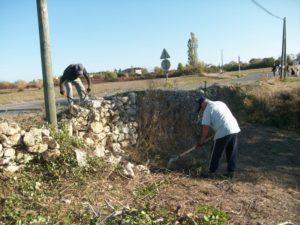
{"type": "Point", "coordinates": [39, 105]}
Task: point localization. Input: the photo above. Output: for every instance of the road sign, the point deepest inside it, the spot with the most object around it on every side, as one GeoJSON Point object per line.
{"type": "Point", "coordinates": [165, 54]}
{"type": "Point", "coordinates": [165, 64]}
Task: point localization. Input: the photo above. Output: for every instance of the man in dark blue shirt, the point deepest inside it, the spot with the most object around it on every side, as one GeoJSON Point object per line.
{"type": "Point", "coordinates": [71, 76]}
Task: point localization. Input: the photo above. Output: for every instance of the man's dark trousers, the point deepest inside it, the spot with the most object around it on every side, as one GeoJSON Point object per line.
{"type": "Point", "coordinates": [228, 143]}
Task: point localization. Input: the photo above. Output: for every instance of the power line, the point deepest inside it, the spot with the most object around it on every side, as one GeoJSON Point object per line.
{"type": "Point", "coordinates": [267, 11]}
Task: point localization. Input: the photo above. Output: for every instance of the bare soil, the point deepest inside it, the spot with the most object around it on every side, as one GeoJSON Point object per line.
{"type": "Point", "coordinates": [264, 191]}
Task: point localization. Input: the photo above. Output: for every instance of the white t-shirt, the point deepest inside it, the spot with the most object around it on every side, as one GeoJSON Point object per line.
{"type": "Point", "coordinates": [218, 116]}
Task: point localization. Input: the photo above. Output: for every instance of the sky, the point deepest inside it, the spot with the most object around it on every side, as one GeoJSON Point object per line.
{"type": "Point", "coordinates": [117, 34]}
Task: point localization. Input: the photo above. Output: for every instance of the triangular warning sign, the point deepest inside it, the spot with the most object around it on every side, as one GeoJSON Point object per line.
{"type": "Point", "coordinates": [164, 54]}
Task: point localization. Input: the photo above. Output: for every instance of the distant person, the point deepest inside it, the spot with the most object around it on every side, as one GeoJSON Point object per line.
{"type": "Point", "coordinates": [71, 76]}
{"type": "Point", "coordinates": [219, 117]}
{"type": "Point", "coordinates": [293, 72]}
{"type": "Point", "coordinates": [274, 69]}
{"type": "Point", "coordinates": [297, 72]}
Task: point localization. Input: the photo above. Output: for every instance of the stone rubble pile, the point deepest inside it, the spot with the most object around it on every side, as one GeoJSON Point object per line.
{"type": "Point", "coordinates": [18, 147]}
{"type": "Point", "coordinates": [108, 126]}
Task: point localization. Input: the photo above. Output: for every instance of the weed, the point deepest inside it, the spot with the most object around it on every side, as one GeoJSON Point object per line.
{"type": "Point", "coordinates": [211, 216]}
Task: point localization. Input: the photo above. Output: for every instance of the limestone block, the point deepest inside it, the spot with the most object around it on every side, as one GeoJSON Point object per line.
{"type": "Point", "coordinates": [4, 140]}
{"type": "Point", "coordinates": [38, 148]}
{"type": "Point", "coordinates": [81, 157]}
{"type": "Point", "coordinates": [9, 153]}
{"type": "Point", "coordinates": [124, 144]}
{"type": "Point", "coordinates": [89, 141]}
{"type": "Point", "coordinates": [99, 151]}
{"type": "Point", "coordinates": [3, 127]}
{"type": "Point", "coordinates": [4, 161]}
{"type": "Point", "coordinates": [13, 129]}
{"type": "Point", "coordinates": [131, 111]}
{"type": "Point", "coordinates": [116, 147]}
{"type": "Point", "coordinates": [15, 139]}
{"type": "Point", "coordinates": [113, 160]}
{"type": "Point", "coordinates": [51, 154]}
{"type": "Point", "coordinates": [51, 142]}
{"type": "Point", "coordinates": [96, 127]}
{"type": "Point", "coordinates": [11, 168]}
{"type": "Point", "coordinates": [128, 170]}
{"type": "Point", "coordinates": [121, 137]}
{"type": "Point", "coordinates": [28, 139]}
{"type": "Point", "coordinates": [132, 97]}
{"type": "Point", "coordinates": [1, 150]}
{"type": "Point", "coordinates": [143, 169]}
{"type": "Point", "coordinates": [124, 99]}
{"type": "Point", "coordinates": [45, 133]}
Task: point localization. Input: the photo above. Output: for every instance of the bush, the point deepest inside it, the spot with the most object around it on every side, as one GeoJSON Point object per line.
{"type": "Point", "coordinates": [110, 76]}
{"type": "Point", "coordinates": [38, 84]}
{"type": "Point", "coordinates": [21, 85]}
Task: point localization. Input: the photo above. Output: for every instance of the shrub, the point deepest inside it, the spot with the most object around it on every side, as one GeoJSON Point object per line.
{"type": "Point", "coordinates": [21, 85]}
{"type": "Point", "coordinates": [38, 84]}
{"type": "Point", "coordinates": [110, 76]}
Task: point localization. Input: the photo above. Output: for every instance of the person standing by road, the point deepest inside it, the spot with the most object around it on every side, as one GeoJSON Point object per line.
{"type": "Point", "coordinates": [218, 116]}
{"type": "Point", "coordinates": [71, 76]}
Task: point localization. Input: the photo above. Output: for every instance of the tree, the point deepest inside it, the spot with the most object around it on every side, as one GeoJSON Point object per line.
{"type": "Point", "coordinates": [192, 50]}
{"type": "Point", "coordinates": [180, 67]}
{"type": "Point", "coordinates": [158, 70]}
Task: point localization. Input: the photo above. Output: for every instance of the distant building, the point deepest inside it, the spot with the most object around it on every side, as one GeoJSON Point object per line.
{"type": "Point", "coordinates": [134, 70]}
{"type": "Point", "coordinates": [296, 61]}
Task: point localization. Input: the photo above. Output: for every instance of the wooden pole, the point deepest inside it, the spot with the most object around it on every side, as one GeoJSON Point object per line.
{"type": "Point", "coordinates": [49, 94]}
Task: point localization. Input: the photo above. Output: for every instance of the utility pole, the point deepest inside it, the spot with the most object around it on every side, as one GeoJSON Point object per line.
{"type": "Point", "coordinates": [239, 60]}
{"type": "Point", "coordinates": [283, 52]}
{"type": "Point", "coordinates": [49, 95]}
{"type": "Point", "coordinates": [222, 61]}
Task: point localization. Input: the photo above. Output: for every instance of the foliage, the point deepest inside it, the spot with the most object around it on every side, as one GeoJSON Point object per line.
{"type": "Point", "coordinates": [158, 70]}
{"type": "Point", "coordinates": [110, 76]}
{"type": "Point", "coordinates": [21, 85]}
{"type": "Point", "coordinates": [38, 84]}
{"type": "Point", "coordinates": [192, 50]}
{"type": "Point", "coordinates": [211, 216]}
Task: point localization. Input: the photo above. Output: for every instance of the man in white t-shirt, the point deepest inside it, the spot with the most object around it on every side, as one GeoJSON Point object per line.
{"type": "Point", "coordinates": [219, 117]}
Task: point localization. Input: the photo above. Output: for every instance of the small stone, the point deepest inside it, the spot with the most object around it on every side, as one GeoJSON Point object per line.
{"type": "Point", "coordinates": [51, 154]}
{"type": "Point", "coordinates": [81, 157]}
{"type": "Point", "coordinates": [28, 139]}
{"type": "Point", "coordinates": [12, 167]}
{"type": "Point", "coordinates": [4, 140]}
{"type": "Point", "coordinates": [39, 148]}
{"type": "Point", "coordinates": [124, 99]}
{"type": "Point", "coordinates": [15, 139]}
{"type": "Point", "coordinates": [9, 153]}
{"type": "Point", "coordinates": [131, 112]}
{"type": "Point", "coordinates": [3, 127]}
{"type": "Point", "coordinates": [13, 129]}
{"type": "Point", "coordinates": [128, 170]}
{"type": "Point", "coordinates": [124, 144]}
{"type": "Point", "coordinates": [132, 97]}
{"type": "Point", "coordinates": [89, 141]}
{"type": "Point", "coordinates": [45, 133]}
{"type": "Point", "coordinates": [114, 160]}
{"type": "Point", "coordinates": [51, 142]}
{"type": "Point", "coordinates": [99, 151]}
{"type": "Point", "coordinates": [143, 169]}
{"type": "Point", "coordinates": [96, 127]}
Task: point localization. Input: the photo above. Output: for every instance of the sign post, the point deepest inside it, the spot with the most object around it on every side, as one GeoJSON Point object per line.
{"type": "Point", "coordinates": [165, 64]}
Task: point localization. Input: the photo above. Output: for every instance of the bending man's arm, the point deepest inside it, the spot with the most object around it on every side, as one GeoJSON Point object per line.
{"type": "Point", "coordinates": [87, 77]}
{"type": "Point", "coordinates": [204, 133]}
